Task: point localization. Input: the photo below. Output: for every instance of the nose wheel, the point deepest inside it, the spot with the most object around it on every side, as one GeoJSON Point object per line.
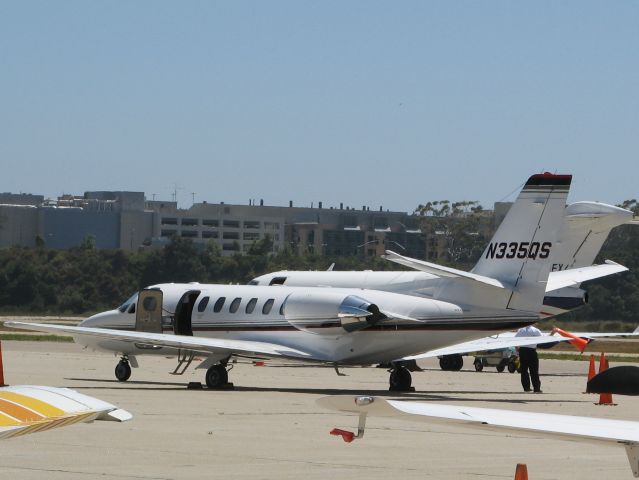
{"type": "Point", "coordinates": [123, 370]}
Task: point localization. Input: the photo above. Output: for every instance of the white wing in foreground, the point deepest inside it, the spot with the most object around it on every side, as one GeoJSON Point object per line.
{"type": "Point", "coordinates": [31, 408]}
{"type": "Point", "coordinates": [508, 340]}
{"type": "Point", "coordinates": [196, 344]}
{"type": "Point", "coordinates": [589, 429]}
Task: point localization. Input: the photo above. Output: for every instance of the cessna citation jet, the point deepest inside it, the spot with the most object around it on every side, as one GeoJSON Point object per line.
{"type": "Point", "coordinates": [586, 225]}
{"type": "Point", "coordinates": [343, 326]}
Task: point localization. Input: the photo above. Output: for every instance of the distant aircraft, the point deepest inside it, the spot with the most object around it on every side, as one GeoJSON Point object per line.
{"type": "Point", "coordinates": [342, 326]}
{"type": "Point", "coordinates": [31, 408]}
{"type": "Point", "coordinates": [586, 429]}
{"type": "Point", "coordinates": [585, 227]}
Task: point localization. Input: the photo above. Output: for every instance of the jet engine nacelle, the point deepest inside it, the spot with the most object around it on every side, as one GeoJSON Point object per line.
{"type": "Point", "coordinates": [566, 298]}
{"type": "Point", "coordinates": [330, 312]}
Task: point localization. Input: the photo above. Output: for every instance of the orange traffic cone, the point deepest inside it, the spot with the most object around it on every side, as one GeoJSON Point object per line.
{"type": "Point", "coordinates": [521, 472]}
{"type": "Point", "coordinates": [604, 398]}
{"type": "Point", "coordinates": [1, 368]}
{"type": "Point", "coordinates": [577, 342]}
{"type": "Point", "coordinates": [591, 371]}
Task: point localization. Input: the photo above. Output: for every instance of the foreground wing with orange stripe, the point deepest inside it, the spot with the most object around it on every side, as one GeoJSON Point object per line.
{"type": "Point", "coordinates": [32, 408]}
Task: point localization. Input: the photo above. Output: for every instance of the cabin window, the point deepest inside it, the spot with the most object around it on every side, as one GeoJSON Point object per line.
{"type": "Point", "coordinates": [202, 305]}
{"type": "Point", "coordinates": [235, 304]}
{"type": "Point", "coordinates": [266, 309]}
{"type": "Point", "coordinates": [219, 304]}
{"type": "Point", "coordinates": [250, 306]}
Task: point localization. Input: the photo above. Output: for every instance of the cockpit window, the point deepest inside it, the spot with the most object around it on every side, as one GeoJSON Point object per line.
{"type": "Point", "coordinates": [202, 305]}
{"type": "Point", "coordinates": [131, 308]}
{"type": "Point", "coordinates": [254, 282]}
{"type": "Point", "coordinates": [132, 299]}
{"type": "Point", "coordinates": [277, 281]}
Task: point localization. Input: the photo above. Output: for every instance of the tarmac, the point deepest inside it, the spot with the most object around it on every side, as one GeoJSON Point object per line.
{"type": "Point", "coordinates": [269, 425]}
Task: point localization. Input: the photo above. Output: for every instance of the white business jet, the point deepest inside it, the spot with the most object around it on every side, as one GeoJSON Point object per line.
{"type": "Point", "coordinates": [585, 227]}
{"type": "Point", "coordinates": [343, 326]}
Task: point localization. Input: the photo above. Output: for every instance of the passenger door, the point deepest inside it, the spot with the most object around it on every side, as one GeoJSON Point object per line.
{"type": "Point", "coordinates": [148, 314]}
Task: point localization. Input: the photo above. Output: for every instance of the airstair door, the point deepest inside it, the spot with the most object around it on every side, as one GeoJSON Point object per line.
{"type": "Point", "coordinates": [148, 314]}
{"type": "Point", "coordinates": [184, 313]}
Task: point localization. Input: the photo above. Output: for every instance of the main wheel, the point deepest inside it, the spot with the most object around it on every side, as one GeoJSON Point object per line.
{"type": "Point", "coordinates": [479, 366]}
{"type": "Point", "coordinates": [457, 363]}
{"type": "Point", "coordinates": [500, 367]}
{"type": "Point", "coordinates": [400, 379]}
{"type": "Point", "coordinates": [512, 368]}
{"type": "Point", "coordinates": [216, 376]}
{"type": "Point", "coordinates": [123, 371]}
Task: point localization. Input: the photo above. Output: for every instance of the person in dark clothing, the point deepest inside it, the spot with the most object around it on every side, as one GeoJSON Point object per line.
{"type": "Point", "coordinates": [529, 361]}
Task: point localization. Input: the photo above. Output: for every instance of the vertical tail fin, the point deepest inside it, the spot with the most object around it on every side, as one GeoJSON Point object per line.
{"type": "Point", "coordinates": [520, 253]}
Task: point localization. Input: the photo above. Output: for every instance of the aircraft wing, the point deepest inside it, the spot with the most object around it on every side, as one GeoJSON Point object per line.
{"type": "Point", "coordinates": [570, 427]}
{"type": "Point", "coordinates": [574, 276]}
{"type": "Point", "coordinates": [508, 340]}
{"type": "Point", "coordinates": [31, 408]}
{"type": "Point", "coordinates": [439, 270]}
{"type": "Point", "coordinates": [556, 280]}
{"type": "Point", "coordinates": [196, 344]}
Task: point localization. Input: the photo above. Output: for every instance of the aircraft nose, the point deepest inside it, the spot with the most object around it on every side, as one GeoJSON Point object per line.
{"type": "Point", "coordinates": [103, 319]}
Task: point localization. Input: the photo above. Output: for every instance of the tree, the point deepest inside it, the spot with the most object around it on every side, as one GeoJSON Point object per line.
{"type": "Point", "coordinates": [461, 226]}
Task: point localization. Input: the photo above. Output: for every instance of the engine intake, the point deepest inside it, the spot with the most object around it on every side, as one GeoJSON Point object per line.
{"type": "Point", "coordinates": [330, 312]}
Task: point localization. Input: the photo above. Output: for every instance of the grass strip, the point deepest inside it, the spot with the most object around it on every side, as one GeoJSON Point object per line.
{"type": "Point", "coordinates": [25, 337]}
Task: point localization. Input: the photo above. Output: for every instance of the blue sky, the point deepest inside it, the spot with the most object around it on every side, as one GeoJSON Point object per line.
{"type": "Point", "coordinates": [362, 102]}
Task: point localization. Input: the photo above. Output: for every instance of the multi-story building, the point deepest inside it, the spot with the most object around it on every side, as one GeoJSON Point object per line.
{"type": "Point", "coordinates": [126, 220]}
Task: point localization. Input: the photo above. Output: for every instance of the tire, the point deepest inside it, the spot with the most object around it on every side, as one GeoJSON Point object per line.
{"type": "Point", "coordinates": [458, 362]}
{"type": "Point", "coordinates": [400, 380]}
{"type": "Point", "coordinates": [123, 371]}
{"type": "Point", "coordinates": [478, 366]}
{"type": "Point", "coordinates": [500, 368]}
{"type": "Point", "coordinates": [216, 376]}
{"type": "Point", "coordinates": [444, 363]}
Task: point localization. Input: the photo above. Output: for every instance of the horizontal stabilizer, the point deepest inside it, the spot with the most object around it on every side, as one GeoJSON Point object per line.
{"type": "Point", "coordinates": [574, 276]}
{"type": "Point", "coordinates": [439, 270]}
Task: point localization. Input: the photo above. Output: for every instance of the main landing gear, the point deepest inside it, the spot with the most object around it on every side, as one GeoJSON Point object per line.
{"type": "Point", "coordinates": [218, 377]}
{"type": "Point", "coordinates": [123, 370]}
{"type": "Point", "coordinates": [400, 379]}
